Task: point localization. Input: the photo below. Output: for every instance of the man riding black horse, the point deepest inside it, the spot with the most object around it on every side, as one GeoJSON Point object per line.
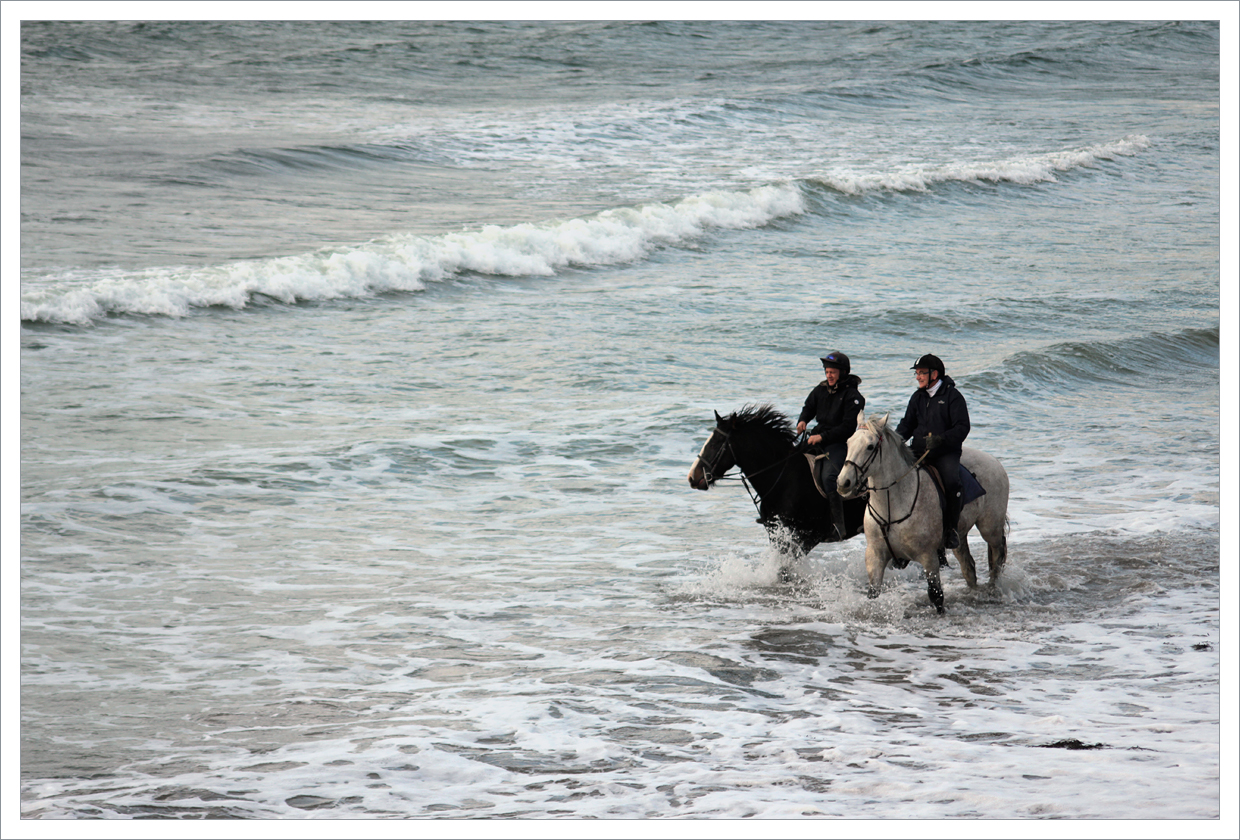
{"type": "Point", "coordinates": [937, 420]}
{"type": "Point", "coordinates": [834, 404]}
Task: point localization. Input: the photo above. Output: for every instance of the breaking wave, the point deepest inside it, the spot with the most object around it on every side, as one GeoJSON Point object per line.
{"type": "Point", "coordinates": [1024, 170]}
{"type": "Point", "coordinates": [407, 262]}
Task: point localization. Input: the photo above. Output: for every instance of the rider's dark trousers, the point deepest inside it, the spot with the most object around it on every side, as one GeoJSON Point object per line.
{"type": "Point", "coordinates": [828, 471]}
{"type": "Point", "coordinates": [948, 465]}
{"type": "Point", "coordinates": [829, 468]}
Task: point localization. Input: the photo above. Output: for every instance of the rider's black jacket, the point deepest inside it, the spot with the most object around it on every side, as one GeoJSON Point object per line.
{"type": "Point", "coordinates": [945, 414]}
{"type": "Point", "coordinates": [834, 409]}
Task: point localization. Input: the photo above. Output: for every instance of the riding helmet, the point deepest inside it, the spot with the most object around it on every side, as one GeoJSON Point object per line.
{"type": "Point", "coordinates": [836, 359]}
{"type": "Point", "coordinates": [930, 362]}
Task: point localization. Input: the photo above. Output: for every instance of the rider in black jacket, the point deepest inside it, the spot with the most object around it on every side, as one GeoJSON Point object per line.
{"type": "Point", "coordinates": [834, 405]}
{"type": "Point", "coordinates": [937, 420]}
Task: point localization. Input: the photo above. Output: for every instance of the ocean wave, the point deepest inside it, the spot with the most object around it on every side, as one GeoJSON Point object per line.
{"type": "Point", "coordinates": [406, 263]}
{"type": "Point", "coordinates": [309, 159]}
{"type": "Point", "coordinates": [1065, 53]}
{"type": "Point", "coordinates": [1124, 361]}
{"type": "Point", "coordinates": [1024, 169]}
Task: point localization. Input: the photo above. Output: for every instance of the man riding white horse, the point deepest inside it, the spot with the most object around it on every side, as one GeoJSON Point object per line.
{"type": "Point", "coordinates": [834, 404]}
{"type": "Point", "coordinates": [937, 420]}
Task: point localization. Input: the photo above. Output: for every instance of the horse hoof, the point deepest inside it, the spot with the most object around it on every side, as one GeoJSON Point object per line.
{"type": "Point", "coordinates": [871, 592]}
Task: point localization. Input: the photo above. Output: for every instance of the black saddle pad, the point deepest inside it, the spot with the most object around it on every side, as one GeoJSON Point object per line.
{"type": "Point", "coordinates": [970, 488]}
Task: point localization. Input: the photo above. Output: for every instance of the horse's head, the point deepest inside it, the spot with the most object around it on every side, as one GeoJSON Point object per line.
{"type": "Point", "coordinates": [716, 457]}
{"type": "Point", "coordinates": [757, 434]}
{"type": "Point", "coordinates": [865, 451]}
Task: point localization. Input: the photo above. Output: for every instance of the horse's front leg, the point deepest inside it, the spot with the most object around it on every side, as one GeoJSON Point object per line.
{"type": "Point", "coordinates": [876, 559]}
{"type": "Point", "coordinates": [934, 586]}
{"type": "Point", "coordinates": [784, 536]}
{"type": "Point", "coordinates": [788, 544]}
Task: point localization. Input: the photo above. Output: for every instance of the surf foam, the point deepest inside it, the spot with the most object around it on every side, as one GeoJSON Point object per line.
{"type": "Point", "coordinates": [406, 263]}
{"type": "Point", "coordinates": [1024, 170]}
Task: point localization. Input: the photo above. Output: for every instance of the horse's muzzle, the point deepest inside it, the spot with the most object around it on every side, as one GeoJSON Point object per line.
{"type": "Point", "coordinates": [697, 477]}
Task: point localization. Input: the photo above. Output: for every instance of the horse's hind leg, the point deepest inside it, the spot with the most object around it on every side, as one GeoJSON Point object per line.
{"type": "Point", "coordinates": [993, 528]}
{"type": "Point", "coordinates": [996, 555]}
{"type": "Point", "coordinates": [965, 558]}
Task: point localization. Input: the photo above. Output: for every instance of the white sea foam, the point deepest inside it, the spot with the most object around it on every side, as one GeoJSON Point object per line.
{"type": "Point", "coordinates": [405, 263]}
{"type": "Point", "coordinates": [1027, 169]}
{"type": "Point", "coordinates": [441, 560]}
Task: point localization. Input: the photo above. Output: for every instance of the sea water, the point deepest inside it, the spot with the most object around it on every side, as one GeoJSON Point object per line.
{"type": "Point", "coordinates": [362, 365]}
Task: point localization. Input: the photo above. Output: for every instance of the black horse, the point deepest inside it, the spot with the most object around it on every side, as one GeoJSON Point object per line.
{"type": "Point", "coordinates": [762, 443]}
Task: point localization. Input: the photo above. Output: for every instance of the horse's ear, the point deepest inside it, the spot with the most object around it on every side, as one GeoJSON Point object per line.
{"type": "Point", "coordinates": [860, 418]}
{"type": "Point", "coordinates": [881, 423]}
{"type": "Point", "coordinates": [718, 419]}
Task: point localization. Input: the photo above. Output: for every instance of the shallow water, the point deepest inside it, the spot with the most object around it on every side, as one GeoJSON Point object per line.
{"type": "Point", "coordinates": [357, 400]}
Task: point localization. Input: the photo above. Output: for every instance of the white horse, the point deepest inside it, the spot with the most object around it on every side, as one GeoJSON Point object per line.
{"type": "Point", "coordinates": [903, 520]}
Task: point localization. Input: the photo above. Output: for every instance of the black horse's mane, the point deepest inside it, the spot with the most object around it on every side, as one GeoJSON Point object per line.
{"type": "Point", "coordinates": [764, 417]}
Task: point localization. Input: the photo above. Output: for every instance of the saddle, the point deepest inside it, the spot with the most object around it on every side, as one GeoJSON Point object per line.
{"type": "Point", "coordinates": [970, 487]}
{"type": "Point", "coordinates": [815, 472]}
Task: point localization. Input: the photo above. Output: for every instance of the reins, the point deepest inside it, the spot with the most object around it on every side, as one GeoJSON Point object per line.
{"type": "Point", "coordinates": [884, 525]}
{"type": "Point", "coordinates": [753, 495]}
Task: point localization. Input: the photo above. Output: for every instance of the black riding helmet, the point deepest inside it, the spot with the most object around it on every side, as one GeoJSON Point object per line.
{"type": "Point", "coordinates": [930, 362]}
{"type": "Point", "coordinates": [837, 360]}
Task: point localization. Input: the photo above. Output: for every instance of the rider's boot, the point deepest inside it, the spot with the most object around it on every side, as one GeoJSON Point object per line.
{"type": "Point", "coordinates": [836, 504]}
{"type": "Point", "coordinates": [951, 517]}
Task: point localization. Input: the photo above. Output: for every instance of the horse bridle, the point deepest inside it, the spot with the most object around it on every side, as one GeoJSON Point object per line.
{"type": "Point", "coordinates": [708, 472]}
{"type": "Point", "coordinates": [862, 469]}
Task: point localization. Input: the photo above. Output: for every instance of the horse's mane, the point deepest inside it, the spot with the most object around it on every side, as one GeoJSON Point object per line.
{"type": "Point", "coordinates": [893, 441]}
{"type": "Point", "coordinates": [764, 417]}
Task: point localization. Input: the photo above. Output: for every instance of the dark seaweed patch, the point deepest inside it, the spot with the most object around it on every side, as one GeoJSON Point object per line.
{"type": "Point", "coordinates": [1074, 744]}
